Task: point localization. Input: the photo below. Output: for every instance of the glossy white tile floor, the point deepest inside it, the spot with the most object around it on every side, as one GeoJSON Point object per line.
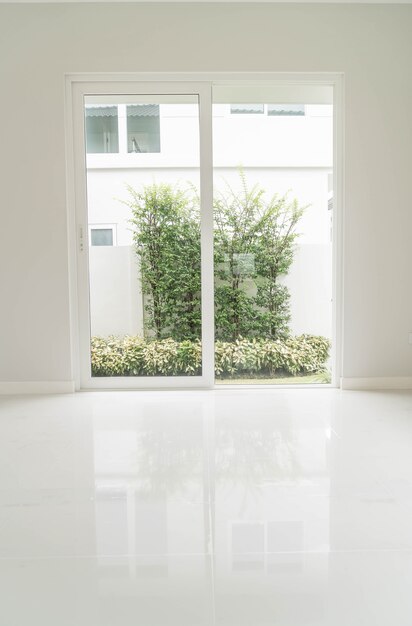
{"type": "Point", "coordinates": [227, 508]}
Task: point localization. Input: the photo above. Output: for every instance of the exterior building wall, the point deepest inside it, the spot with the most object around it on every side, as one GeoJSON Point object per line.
{"type": "Point", "coordinates": [107, 193]}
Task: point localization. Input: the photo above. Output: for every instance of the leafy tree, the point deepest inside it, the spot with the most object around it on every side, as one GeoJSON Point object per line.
{"type": "Point", "coordinates": [274, 256]}
{"type": "Point", "coordinates": [236, 226]}
{"type": "Point", "coordinates": [166, 237]}
{"type": "Point", "coordinates": [254, 246]}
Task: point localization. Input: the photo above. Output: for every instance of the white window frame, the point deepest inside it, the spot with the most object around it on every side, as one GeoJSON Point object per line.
{"type": "Point", "coordinates": [78, 90]}
{"type": "Point", "coordinates": [79, 85]}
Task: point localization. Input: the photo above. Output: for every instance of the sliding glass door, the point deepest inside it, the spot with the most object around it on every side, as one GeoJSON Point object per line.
{"type": "Point", "coordinates": [273, 205]}
{"type": "Point", "coordinates": [204, 233]}
{"type": "Point", "coordinates": [145, 254]}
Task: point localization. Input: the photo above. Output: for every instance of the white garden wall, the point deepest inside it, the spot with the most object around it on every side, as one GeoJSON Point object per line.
{"type": "Point", "coordinates": [116, 304]}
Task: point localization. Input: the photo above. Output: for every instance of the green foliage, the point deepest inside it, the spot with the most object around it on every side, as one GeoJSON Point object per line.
{"type": "Point", "coordinates": [166, 236]}
{"type": "Point", "coordinates": [135, 356]}
{"type": "Point", "coordinates": [273, 310]}
{"type": "Point", "coordinates": [254, 246]}
{"type": "Point", "coordinates": [234, 312]}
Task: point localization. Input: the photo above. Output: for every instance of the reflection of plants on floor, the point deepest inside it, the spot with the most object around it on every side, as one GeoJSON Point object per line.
{"type": "Point", "coordinates": [135, 356]}
{"type": "Point", "coordinates": [251, 456]}
{"type": "Point", "coordinates": [167, 460]}
{"type": "Point", "coordinates": [172, 460]}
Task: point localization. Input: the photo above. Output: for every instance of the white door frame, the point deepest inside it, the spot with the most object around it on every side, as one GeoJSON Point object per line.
{"type": "Point", "coordinates": [79, 85]}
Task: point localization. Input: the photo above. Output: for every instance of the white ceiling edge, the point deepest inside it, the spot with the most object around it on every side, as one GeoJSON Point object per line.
{"type": "Point", "coordinates": [353, 2]}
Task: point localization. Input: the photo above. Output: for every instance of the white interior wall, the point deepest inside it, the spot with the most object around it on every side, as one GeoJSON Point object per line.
{"type": "Point", "coordinates": [371, 44]}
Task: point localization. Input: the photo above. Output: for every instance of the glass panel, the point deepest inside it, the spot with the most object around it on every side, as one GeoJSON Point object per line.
{"type": "Point", "coordinates": [143, 128]}
{"type": "Point", "coordinates": [145, 292]}
{"type": "Point", "coordinates": [102, 129]}
{"type": "Point", "coordinates": [101, 236]}
{"type": "Point", "coordinates": [286, 109]}
{"type": "Point", "coordinates": [247, 108]}
{"type": "Point", "coordinates": [273, 191]}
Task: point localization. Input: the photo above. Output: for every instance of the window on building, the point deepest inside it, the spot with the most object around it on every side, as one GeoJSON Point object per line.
{"type": "Point", "coordinates": [101, 237]}
{"type": "Point", "coordinates": [286, 109]}
{"type": "Point", "coordinates": [247, 108]}
{"type": "Point", "coordinates": [143, 128]}
{"type": "Point", "coordinates": [102, 134]}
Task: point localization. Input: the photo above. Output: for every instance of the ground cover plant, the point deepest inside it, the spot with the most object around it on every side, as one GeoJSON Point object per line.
{"type": "Point", "coordinates": [136, 356]}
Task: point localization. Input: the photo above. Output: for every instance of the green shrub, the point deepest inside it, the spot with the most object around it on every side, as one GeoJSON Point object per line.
{"type": "Point", "coordinates": [135, 356]}
{"type": "Point", "coordinates": [166, 236]}
{"type": "Point", "coordinates": [254, 243]}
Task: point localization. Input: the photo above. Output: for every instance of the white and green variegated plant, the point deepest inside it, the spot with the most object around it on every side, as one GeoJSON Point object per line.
{"type": "Point", "coordinates": [134, 356]}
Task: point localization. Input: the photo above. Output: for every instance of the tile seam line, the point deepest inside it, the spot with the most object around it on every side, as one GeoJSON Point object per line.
{"type": "Point", "coordinates": [205, 554]}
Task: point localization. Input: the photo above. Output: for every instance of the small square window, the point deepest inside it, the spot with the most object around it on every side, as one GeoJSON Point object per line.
{"type": "Point", "coordinates": [102, 134]}
{"type": "Point", "coordinates": [101, 236]}
{"type": "Point", "coordinates": [143, 128]}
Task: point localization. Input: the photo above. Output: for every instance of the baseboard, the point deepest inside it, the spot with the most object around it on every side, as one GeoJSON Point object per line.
{"type": "Point", "coordinates": [36, 387]}
{"type": "Point", "coordinates": [395, 382]}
